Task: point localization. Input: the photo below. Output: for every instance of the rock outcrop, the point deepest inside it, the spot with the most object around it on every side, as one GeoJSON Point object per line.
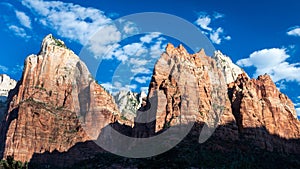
{"type": "Point", "coordinates": [229, 69]}
{"type": "Point", "coordinates": [254, 111]}
{"type": "Point", "coordinates": [128, 103]}
{"type": "Point", "coordinates": [190, 83]}
{"type": "Point", "coordinates": [55, 105]}
{"type": "Point", "coordinates": [257, 104]}
{"type": "Point", "coordinates": [6, 84]}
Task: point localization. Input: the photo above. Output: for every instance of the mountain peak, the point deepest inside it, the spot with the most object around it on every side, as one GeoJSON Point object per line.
{"type": "Point", "coordinates": [50, 40]}
{"type": "Point", "coordinates": [6, 84]}
{"type": "Point", "coordinates": [171, 50]}
{"type": "Point", "coordinates": [56, 89]}
{"type": "Point", "coordinates": [230, 70]}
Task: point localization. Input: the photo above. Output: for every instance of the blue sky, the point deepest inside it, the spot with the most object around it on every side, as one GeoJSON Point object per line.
{"type": "Point", "coordinates": [260, 36]}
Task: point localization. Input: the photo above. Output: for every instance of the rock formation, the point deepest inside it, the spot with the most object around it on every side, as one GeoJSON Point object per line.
{"type": "Point", "coordinates": [128, 103]}
{"type": "Point", "coordinates": [55, 105]}
{"type": "Point", "coordinates": [195, 78]}
{"type": "Point", "coordinates": [257, 103]}
{"type": "Point", "coordinates": [229, 69]}
{"type": "Point", "coordinates": [255, 110]}
{"type": "Point", "coordinates": [6, 84]}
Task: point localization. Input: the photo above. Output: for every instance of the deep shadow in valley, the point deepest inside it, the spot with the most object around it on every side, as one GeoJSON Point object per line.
{"type": "Point", "coordinates": [225, 149]}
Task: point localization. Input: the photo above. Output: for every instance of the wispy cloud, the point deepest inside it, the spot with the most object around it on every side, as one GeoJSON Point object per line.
{"type": "Point", "coordinates": [13, 71]}
{"type": "Point", "coordinates": [298, 111]}
{"type": "Point", "coordinates": [3, 69]}
{"type": "Point", "coordinates": [216, 35]}
{"type": "Point", "coordinates": [18, 31]}
{"type": "Point", "coordinates": [24, 19]}
{"type": "Point", "coordinates": [138, 59]}
{"type": "Point", "coordinates": [117, 86]}
{"type": "Point", "coordinates": [69, 20]}
{"type": "Point", "coordinates": [218, 15]}
{"type": "Point", "coordinates": [149, 37]}
{"type": "Point", "coordinates": [14, 21]}
{"type": "Point", "coordinates": [203, 21]}
{"type": "Point", "coordinates": [141, 53]}
{"type": "Point", "coordinates": [273, 62]}
{"type": "Point", "coordinates": [142, 79]}
{"type": "Point", "coordinates": [157, 49]}
{"type": "Point", "coordinates": [294, 31]}
{"type": "Point", "coordinates": [85, 25]}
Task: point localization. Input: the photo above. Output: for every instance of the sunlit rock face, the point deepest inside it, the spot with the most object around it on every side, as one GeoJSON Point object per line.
{"type": "Point", "coordinates": [258, 104]}
{"type": "Point", "coordinates": [55, 105]}
{"type": "Point", "coordinates": [229, 69]}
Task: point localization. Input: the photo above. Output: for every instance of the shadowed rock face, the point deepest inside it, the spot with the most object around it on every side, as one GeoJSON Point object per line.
{"type": "Point", "coordinates": [55, 88]}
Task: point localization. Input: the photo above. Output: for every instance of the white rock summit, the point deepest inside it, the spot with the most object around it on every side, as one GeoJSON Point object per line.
{"type": "Point", "coordinates": [129, 102]}
{"type": "Point", "coordinates": [230, 70]}
{"type": "Point", "coordinates": [6, 84]}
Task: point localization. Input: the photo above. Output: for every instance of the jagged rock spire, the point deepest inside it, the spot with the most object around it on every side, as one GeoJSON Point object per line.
{"type": "Point", "coordinates": [230, 70]}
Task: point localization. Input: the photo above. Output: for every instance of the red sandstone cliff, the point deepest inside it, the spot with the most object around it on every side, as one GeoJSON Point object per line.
{"type": "Point", "coordinates": [254, 110]}
{"type": "Point", "coordinates": [55, 91]}
{"type": "Point", "coordinates": [257, 103]}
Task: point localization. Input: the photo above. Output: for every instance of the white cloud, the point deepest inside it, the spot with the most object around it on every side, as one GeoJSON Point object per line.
{"type": "Point", "coordinates": [149, 37]}
{"type": "Point", "coordinates": [3, 69]}
{"type": "Point", "coordinates": [138, 62]}
{"type": "Point", "coordinates": [139, 58]}
{"type": "Point", "coordinates": [227, 37]}
{"type": "Point", "coordinates": [118, 87]}
{"type": "Point", "coordinates": [296, 104]}
{"type": "Point", "coordinates": [216, 35]}
{"type": "Point", "coordinates": [281, 85]}
{"type": "Point", "coordinates": [141, 69]}
{"type": "Point", "coordinates": [104, 42]}
{"type": "Point", "coordinates": [17, 69]}
{"type": "Point", "coordinates": [298, 111]}
{"type": "Point", "coordinates": [86, 25]}
{"type": "Point", "coordinates": [129, 51]}
{"type": "Point", "coordinates": [142, 79]}
{"type": "Point", "coordinates": [203, 22]}
{"type": "Point", "coordinates": [69, 20]}
{"type": "Point", "coordinates": [18, 31]}
{"type": "Point", "coordinates": [218, 15]}
{"type": "Point", "coordinates": [130, 28]}
{"type": "Point", "coordinates": [108, 86]}
{"type": "Point", "coordinates": [134, 49]}
{"type": "Point", "coordinates": [157, 49]}
{"type": "Point", "coordinates": [24, 19]}
{"type": "Point", "coordinates": [273, 62]}
{"type": "Point", "coordinates": [294, 31]}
